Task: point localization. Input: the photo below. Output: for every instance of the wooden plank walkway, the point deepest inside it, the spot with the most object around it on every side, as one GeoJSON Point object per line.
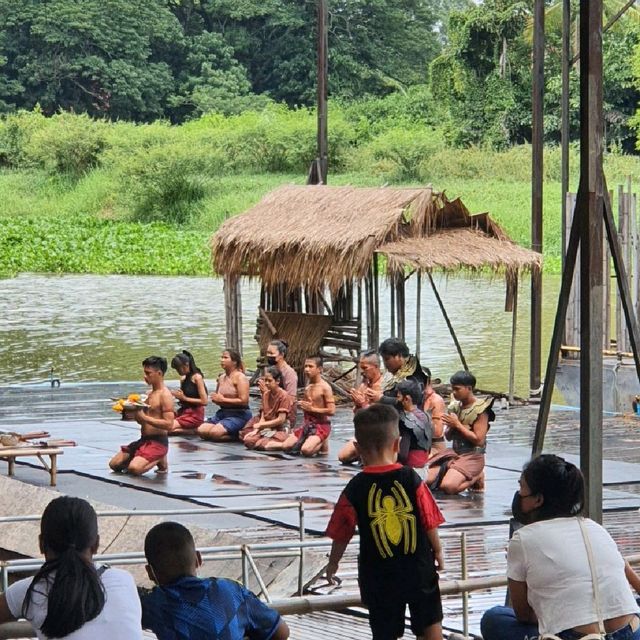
{"type": "Point", "coordinates": [228, 475]}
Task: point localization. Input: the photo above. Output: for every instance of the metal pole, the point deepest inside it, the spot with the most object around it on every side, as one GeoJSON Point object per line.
{"type": "Point", "coordinates": [537, 143]}
{"type": "Point", "coordinates": [245, 567]}
{"type": "Point", "coordinates": [323, 73]}
{"type": "Point", "coordinates": [465, 595]}
{"type": "Point", "coordinates": [301, 566]}
{"type": "Point", "coordinates": [564, 129]}
{"type": "Point", "coordinates": [589, 211]}
{"type": "Point", "coordinates": [256, 573]}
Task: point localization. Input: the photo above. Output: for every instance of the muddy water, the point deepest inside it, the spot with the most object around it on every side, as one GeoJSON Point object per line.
{"type": "Point", "coordinates": [99, 328]}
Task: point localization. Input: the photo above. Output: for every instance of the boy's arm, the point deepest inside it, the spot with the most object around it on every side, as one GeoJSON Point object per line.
{"type": "Point", "coordinates": [430, 518]}
{"type": "Point", "coordinates": [340, 529]}
{"type": "Point", "coordinates": [337, 551]}
{"type": "Point", "coordinates": [436, 545]}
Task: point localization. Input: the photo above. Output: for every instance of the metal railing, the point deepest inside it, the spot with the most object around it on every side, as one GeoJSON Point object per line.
{"type": "Point", "coordinates": [229, 552]}
{"type": "Point", "coordinates": [247, 553]}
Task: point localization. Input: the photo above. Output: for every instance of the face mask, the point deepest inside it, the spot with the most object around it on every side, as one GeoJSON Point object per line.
{"type": "Point", "coordinates": [516, 509]}
{"type": "Point", "coordinates": [271, 361]}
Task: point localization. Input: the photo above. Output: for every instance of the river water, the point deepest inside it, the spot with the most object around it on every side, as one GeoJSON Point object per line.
{"type": "Point", "coordinates": [93, 328]}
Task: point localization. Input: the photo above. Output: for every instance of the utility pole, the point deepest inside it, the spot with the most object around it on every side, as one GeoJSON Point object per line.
{"type": "Point", "coordinates": [320, 166]}
{"type": "Point", "coordinates": [537, 145]}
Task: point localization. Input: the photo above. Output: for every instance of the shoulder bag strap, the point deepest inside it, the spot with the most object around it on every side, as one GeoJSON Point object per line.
{"type": "Point", "coordinates": [594, 580]}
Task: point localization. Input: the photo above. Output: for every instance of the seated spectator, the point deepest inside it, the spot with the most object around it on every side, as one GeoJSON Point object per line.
{"type": "Point", "coordinates": [185, 607]}
{"type": "Point", "coordinates": [415, 426]}
{"type": "Point", "coordinates": [550, 563]}
{"type": "Point", "coordinates": [272, 422]}
{"type": "Point", "coordinates": [69, 597]}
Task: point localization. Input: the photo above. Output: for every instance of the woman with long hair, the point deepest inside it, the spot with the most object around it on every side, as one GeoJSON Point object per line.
{"type": "Point", "coordinates": [232, 396]}
{"type": "Point", "coordinates": [192, 395]}
{"type": "Point", "coordinates": [70, 597]}
{"type": "Point", "coordinates": [566, 575]}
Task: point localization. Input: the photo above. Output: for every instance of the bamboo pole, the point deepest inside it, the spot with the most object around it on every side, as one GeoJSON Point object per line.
{"type": "Point", "coordinates": [445, 315]}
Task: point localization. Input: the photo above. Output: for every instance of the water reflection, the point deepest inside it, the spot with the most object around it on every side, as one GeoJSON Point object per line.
{"type": "Point", "coordinates": [92, 328]}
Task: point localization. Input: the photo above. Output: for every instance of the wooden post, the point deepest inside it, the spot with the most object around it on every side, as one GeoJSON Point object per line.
{"type": "Point", "coordinates": [233, 313]}
{"type": "Point", "coordinates": [606, 307]}
{"type": "Point", "coordinates": [537, 181]}
{"type": "Point", "coordinates": [392, 299]}
{"type": "Point", "coordinates": [514, 325]}
{"type": "Point", "coordinates": [418, 312]}
{"type": "Point", "coordinates": [400, 307]}
{"type": "Point", "coordinates": [376, 302]}
{"type": "Point", "coordinates": [359, 313]}
{"type": "Point", "coordinates": [622, 231]}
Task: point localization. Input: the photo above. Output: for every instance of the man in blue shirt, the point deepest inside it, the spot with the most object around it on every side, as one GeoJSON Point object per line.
{"type": "Point", "coordinates": [185, 607]}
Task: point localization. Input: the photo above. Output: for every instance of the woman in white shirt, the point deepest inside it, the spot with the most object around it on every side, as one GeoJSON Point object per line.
{"type": "Point", "coordinates": [70, 597]}
{"type": "Point", "coordinates": [550, 581]}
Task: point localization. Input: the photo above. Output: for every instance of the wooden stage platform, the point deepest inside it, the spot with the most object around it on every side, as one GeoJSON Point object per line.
{"type": "Point", "coordinates": [228, 475]}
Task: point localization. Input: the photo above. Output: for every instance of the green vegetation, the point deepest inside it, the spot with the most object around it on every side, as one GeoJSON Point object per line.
{"type": "Point", "coordinates": [79, 195]}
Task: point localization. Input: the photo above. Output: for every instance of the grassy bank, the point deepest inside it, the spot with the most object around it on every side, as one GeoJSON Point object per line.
{"type": "Point", "coordinates": [91, 197]}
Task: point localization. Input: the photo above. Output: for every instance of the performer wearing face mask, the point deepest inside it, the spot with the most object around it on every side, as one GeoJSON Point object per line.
{"type": "Point", "coordinates": [550, 568]}
{"type": "Point", "coordinates": [276, 353]}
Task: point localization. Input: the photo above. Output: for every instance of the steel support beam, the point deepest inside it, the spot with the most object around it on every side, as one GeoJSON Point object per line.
{"type": "Point", "coordinates": [564, 126]}
{"type": "Point", "coordinates": [537, 145]}
{"type": "Point", "coordinates": [590, 212]}
{"type": "Point", "coordinates": [323, 90]}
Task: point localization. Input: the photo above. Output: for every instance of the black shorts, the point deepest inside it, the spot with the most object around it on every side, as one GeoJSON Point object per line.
{"type": "Point", "coordinates": [387, 613]}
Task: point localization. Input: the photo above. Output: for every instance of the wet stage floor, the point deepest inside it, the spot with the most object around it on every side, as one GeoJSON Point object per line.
{"type": "Point", "coordinates": [228, 475]}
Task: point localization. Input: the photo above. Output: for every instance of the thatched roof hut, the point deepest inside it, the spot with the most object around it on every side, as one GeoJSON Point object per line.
{"type": "Point", "coordinates": [320, 236]}
{"type": "Point", "coordinates": [304, 242]}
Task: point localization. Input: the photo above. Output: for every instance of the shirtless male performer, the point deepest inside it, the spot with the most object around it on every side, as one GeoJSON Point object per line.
{"type": "Point", "coordinates": [372, 378]}
{"type": "Point", "coordinates": [155, 420]}
{"type": "Point", "coordinates": [435, 405]}
{"type": "Point", "coordinates": [317, 406]}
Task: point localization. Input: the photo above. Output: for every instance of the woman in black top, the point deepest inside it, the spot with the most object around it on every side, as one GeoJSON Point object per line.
{"type": "Point", "coordinates": [192, 395]}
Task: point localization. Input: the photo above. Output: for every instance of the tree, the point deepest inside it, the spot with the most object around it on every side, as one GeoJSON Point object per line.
{"type": "Point", "coordinates": [480, 80]}
{"type": "Point", "coordinates": [95, 56]}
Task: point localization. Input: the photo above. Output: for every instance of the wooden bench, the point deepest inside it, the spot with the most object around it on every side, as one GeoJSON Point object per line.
{"type": "Point", "coordinates": [11, 453]}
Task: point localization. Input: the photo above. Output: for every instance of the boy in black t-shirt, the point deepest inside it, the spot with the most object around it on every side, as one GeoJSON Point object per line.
{"type": "Point", "coordinates": [397, 519]}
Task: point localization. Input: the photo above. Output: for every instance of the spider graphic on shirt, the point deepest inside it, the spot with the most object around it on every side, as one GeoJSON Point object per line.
{"type": "Point", "coordinates": [392, 519]}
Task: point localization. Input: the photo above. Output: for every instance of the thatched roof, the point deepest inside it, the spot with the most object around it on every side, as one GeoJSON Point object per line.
{"type": "Point", "coordinates": [323, 236]}
{"type": "Point", "coordinates": [453, 249]}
